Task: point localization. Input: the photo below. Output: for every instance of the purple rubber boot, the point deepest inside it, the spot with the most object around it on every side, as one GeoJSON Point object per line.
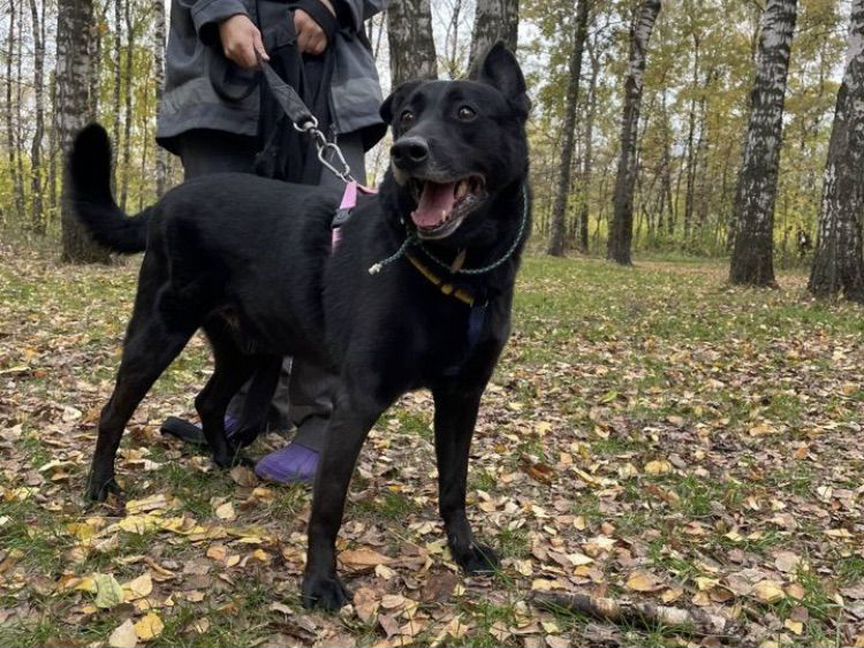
{"type": "Point", "coordinates": [293, 464]}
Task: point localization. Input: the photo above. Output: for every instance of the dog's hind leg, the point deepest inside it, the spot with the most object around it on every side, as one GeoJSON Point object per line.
{"type": "Point", "coordinates": [455, 416]}
{"type": "Point", "coordinates": [231, 370]}
{"type": "Point", "coordinates": [150, 347]}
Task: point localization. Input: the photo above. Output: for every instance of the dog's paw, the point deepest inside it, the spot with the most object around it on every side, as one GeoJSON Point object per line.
{"type": "Point", "coordinates": [231, 459]}
{"type": "Point", "coordinates": [327, 593]}
{"type": "Point", "coordinates": [98, 490]}
{"type": "Point", "coordinates": [478, 559]}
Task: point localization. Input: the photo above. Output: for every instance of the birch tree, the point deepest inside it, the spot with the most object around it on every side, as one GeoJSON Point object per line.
{"type": "Point", "coordinates": [753, 249]}
{"type": "Point", "coordinates": [565, 171]}
{"type": "Point", "coordinates": [494, 20]}
{"type": "Point", "coordinates": [38, 215]}
{"type": "Point", "coordinates": [621, 229]}
{"type": "Point", "coordinates": [74, 50]}
{"type": "Point", "coordinates": [158, 9]}
{"type": "Point", "coordinates": [838, 266]}
{"type": "Point", "coordinates": [412, 48]}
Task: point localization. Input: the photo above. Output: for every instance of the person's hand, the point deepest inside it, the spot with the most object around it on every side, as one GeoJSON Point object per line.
{"type": "Point", "coordinates": [241, 41]}
{"type": "Point", "coordinates": [311, 39]}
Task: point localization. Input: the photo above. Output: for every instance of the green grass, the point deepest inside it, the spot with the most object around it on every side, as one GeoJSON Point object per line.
{"type": "Point", "coordinates": [627, 365]}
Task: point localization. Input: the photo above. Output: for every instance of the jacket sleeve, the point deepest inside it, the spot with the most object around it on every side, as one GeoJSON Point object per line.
{"type": "Point", "coordinates": [364, 9]}
{"type": "Point", "coordinates": [207, 14]}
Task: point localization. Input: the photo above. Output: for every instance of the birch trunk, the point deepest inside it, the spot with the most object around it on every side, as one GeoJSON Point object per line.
{"type": "Point", "coordinates": [38, 215]}
{"type": "Point", "coordinates": [11, 144]}
{"type": "Point", "coordinates": [117, 89]}
{"type": "Point", "coordinates": [838, 267]}
{"type": "Point", "coordinates": [159, 78]}
{"type": "Point", "coordinates": [753, 248]}
{"type": "Point", "coordinates": [412, 48]}
{"type": "Point", "coordinates": [559, 209]}
{"type": "Point", "coordinates": [588, 154]}
{"type": "Point", "coordinates": [127, 104]}
{"type": "Point", "coordinates": [494, 20]}
{"type": "Point", "coordinates": [74, 51]}
{"type": "Point", "coordinates": [621, 228]}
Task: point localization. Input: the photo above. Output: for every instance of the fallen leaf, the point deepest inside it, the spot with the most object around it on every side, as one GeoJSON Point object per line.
{"type": "Point", "coordinates": [124, 636]}
{"type": "Point", "coordinates": [109, 594]}
{"type": "Point", "coordinates": [768, 591]}
{"type": "Point", "coordinates": [642, 581]}
{"type": "Point", "coordinates": [149, 627]}
{"type": "Point", "coordinates": [226, 511]}
{"type": "Point", "coordinates": [138, 587]}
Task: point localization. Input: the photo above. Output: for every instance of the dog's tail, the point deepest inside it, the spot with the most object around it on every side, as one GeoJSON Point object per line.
{"type": "Point", "coordinates": [92, 201]}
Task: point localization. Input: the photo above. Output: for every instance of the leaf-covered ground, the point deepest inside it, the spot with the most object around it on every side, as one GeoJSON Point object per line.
{"type": "Point", "coordinates": [650, 436]}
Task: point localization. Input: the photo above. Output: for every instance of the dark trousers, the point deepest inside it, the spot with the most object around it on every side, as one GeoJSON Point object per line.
{"type": "Point", "coordinates": [303, 397]}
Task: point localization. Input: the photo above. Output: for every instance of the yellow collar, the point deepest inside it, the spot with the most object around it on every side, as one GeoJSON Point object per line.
{"type": "Point", "coordinates": [446, 288]}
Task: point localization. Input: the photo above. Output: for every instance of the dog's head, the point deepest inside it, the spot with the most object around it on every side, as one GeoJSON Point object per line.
{"type": "Point", "coordinates": [458, 145]}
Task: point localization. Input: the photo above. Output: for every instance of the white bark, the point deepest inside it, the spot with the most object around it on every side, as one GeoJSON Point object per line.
{"type": "Point", "coordinates": [838, 266]}
{"type": "Point", "coordinates": [752, 256]}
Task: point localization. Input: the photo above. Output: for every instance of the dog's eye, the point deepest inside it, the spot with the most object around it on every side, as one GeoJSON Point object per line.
{"type": "Point", "coordinates": [466, 113]}
{"type": "Point", "coordinates": [406, 118]}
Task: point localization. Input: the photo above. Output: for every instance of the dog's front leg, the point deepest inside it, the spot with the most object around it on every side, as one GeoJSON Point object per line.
{"type": "Point", "coordinates": [455, 415]}
{"type": "Point", "coordinates": [349, 426]}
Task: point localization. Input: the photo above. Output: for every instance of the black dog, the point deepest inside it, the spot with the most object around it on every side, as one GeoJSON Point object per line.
{"type": "Point", "coordinates": [249, 261]}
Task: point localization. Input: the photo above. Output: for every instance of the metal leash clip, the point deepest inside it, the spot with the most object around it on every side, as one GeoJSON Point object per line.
{"type": "Point", "coordinates": [329, 153]}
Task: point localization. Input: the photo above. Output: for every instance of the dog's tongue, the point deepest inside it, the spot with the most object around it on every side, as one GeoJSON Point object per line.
{"type": "Point", "coordinates": [436, 202]}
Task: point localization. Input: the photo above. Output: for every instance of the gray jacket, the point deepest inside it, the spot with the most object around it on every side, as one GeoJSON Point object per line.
{"type": "Point", "coordinates": [189, 100]}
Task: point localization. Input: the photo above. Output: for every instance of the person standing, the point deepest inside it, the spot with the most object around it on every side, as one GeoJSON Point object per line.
{"type": "Point", "coordinates": [213, 116]}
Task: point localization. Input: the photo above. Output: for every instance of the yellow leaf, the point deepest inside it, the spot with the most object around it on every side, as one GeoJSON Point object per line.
{"type": "Point", "coordinates": [261, 556]}
{"type": "Point", "coordinates": [108, 591]}
{"type": "Point", "coordinates": [139, 523]}
{"type": "Point", "coordinates": [795, 626]}
{"type": "Point", "coordinates": [641, 581]}
{"type": "Point", "coordinates": [217, 552]}
{"type": "Point", "coordinates": [704, 583]}
{"type": "Point", "coordinates": [769, 591]}
{"type": "Point", "coordinates": [763, 429]}
{"type": "Point", "coordinates": [362, 559]}
{"type": "Point", "coordinates": [226, 511]}
{"type": "Point", "coordinates": [658, 467]}
{"type": "Point", "coordinates": [138, 587]}
{"type": "Point", "coordinates": [152, 503]}
{"type": "Point", "coordinates": [149, 627]}
{"type": "Point", "coordinates": [542, 584]}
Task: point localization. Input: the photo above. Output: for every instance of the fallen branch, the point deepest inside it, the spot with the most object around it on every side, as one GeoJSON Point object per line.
{"type": "Point", "coordinates": [695, 621]}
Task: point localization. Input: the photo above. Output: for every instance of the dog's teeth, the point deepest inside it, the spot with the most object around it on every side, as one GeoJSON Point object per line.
{"type": "Point", "coordinates": [461, 189]}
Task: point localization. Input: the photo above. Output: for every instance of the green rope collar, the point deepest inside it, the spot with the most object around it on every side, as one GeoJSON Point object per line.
{"type": "Point", "coordinates": [413, 239]}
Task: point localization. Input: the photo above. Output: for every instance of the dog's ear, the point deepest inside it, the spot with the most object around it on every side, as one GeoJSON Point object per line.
{"type": "Point", "coordinates": [500, 69]}
{"type": "Point", "coordinates": [391, 104]}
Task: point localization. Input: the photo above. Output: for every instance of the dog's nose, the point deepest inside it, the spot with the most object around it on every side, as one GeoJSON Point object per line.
{"type": "Point", "coordinates": [409, 152]}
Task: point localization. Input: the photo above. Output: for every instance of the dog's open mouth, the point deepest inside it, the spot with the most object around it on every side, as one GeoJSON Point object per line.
{"type": "Point", "coordinates": [442, 206]}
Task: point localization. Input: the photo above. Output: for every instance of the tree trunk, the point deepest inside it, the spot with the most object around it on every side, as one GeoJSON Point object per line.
{"type": "Point", "coordinates": [838, 267]}
{"type": "Point", "coordinates": [559, 210]}
{"type": "Point", "coordinates": [621, 228]}
{"type": "Point", "coordinates": [753, 250]}
{"type": "Point", "coordinates": [21, 173]}
{"type": "Point", "coordinates": [74, 46]}
{"type": "Point", "coordinates": [11, 144]}
{"type": "Point", "coordinates": [691, 148]}
{"type": "Point", "coordinates": [494, 20]}
{"type": "Point", "coordinates": [117, 89]}
{"type": "Point", "coordinates": [588, 154]}
{"type": "Point", "coordinates": [127, 105]}
{"type": "Point", "coordinates": [159, 76]}
{"type": "Point", "coordinates": [38, 215]}
{"type": "Point", "coordinates": [412, 48]}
